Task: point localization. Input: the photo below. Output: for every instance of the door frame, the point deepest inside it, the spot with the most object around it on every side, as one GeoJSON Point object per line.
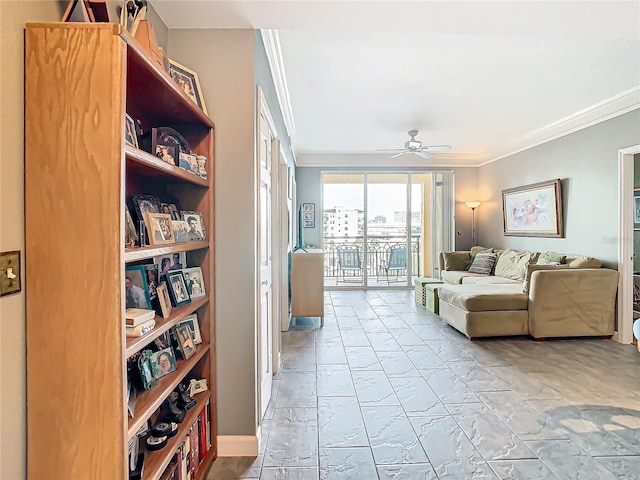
{"type": "Point", "coordinates": [624, 333]}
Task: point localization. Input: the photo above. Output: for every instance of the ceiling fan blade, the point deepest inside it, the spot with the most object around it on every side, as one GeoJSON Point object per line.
{"type": "Point", "coordinates": [391, 149]}
{"type": "Point", "coordinates": [424, 154]}
{"type": "Point", "coordinates": [436, 148]}
{"type": "Point", "coordinates": [397, 154]}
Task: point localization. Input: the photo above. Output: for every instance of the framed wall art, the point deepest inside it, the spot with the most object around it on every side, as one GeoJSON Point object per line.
{"type": "Point", "coordinates": [188, 81]}
{"type": "Point", "coordinates": [636, 209]}
{"type": "Point", "coordinates": [533, 210]}
{"type": "Point", "coordinates": [309, 215]}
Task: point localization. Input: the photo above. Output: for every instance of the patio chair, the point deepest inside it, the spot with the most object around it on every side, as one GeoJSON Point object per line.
{"type": "Point", "coordinates": [349, 264]}
{"type": "Point", "coordinates": [395, 264]}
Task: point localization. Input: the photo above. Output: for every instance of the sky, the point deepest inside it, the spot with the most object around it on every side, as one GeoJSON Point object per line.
{"type": "Point", "coordinates": [383, 199]}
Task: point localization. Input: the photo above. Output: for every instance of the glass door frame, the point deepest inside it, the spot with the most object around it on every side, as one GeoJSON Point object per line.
{"type": "Point", "coordinates": [448, 211]}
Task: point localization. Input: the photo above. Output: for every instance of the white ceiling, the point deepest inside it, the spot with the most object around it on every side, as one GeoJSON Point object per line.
{"type": "Point", "coordinates": [489, 78]}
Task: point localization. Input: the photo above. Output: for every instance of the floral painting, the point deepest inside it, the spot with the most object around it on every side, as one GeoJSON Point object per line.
{"type": "Point", "coordinates": [533, 210]}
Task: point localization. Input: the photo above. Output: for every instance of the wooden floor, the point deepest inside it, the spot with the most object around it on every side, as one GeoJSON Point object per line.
{"type": "Point", "coordinates": [386, 390]}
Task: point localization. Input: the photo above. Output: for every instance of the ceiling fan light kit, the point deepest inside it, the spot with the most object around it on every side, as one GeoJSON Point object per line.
{"type": "Point", "coordinates": [415, 146]}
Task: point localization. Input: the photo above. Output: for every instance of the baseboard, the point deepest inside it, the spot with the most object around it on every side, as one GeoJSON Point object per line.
{"type": "Point", "coordinates": [237, 445]}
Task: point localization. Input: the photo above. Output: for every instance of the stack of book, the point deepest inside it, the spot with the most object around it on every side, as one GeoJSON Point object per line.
{"type": "Point", "coordinates": [139, 321]}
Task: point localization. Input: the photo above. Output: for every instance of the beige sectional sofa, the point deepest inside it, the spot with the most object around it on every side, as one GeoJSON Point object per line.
{"type": "Point", "coordinates": [521, 297]}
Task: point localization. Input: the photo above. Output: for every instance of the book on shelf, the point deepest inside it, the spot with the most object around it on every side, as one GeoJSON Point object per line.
{"type": "Point", "coordinates": [136, 316]}
{"type": "Point", "coordinates": [141, 329]}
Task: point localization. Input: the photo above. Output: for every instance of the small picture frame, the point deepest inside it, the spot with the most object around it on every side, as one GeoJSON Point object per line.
{"type": "Point", "coordinates": [188, 82]}
{"type": "Point", "coordinates": [136, 289]}
{"type": "Point", "coordinates": [170, 208]}
{"type": "Point", "coordinates": [144, 204]}
{"type": "Point", "coordinates": [180, 231]}
{"type": "Point", "coordinates": [177, 289]}
{"type": "Point", "coordinates": [130, 136]}
{"type": "Point", "coordinates": [164, 299]}
{"type": "Point", "coordinates": [171, 262]}
{"type": "Point", "coordinates": [163, 362]}
{"type": "Point", "coordinates": [194, 281]}
{"type": "Point", "coordinates": [636, 210]}
{"type": "Point", "coordinates": [130, 234]}
{"type": "Point", "coordinates": [309, 215]}
{"type": "Point", "coordinates": [191, 321]}
{"type": "Point", "coordinates": [189, 163]}
{"type": "Point", "coordinates": [185, 340]}
{"type": "Point", "coordinates": [166, 153]}
{"type": "Point", "coordinates": [152, 281]}
{"type": "Point", "coordinates": [159, 228]}
{"type": "Point", "coordinates": [195, 224]}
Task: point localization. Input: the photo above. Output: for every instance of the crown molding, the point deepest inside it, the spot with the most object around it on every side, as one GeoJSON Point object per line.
{"type": "Point", "coordinates": [607, 109]}
{"type": "Point", "coordinates": [271, 42]}
{"type": "Point", "coordinates": [377, 159]}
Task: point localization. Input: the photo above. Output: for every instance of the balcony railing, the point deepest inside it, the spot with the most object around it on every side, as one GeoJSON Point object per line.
{"type": "Point", "coordinates": [377, 255]}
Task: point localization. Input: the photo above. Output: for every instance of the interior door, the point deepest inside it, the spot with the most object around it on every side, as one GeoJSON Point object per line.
{"type": "Point", "coordinates": [265, 314]}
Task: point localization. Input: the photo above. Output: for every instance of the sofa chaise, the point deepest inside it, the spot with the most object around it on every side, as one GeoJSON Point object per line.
{"type": "Point", "coordinates": [525, 293]}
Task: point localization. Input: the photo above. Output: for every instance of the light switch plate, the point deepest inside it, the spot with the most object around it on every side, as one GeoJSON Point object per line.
{"type": "Point", "coordinates": [10, 273]}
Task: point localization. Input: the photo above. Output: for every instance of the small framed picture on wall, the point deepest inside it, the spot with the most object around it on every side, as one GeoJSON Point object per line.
{"type": "Point", "coordinates": [309, 215]}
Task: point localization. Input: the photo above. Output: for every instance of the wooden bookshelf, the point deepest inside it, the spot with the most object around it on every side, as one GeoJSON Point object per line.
{"type": "Point", "coordinates": [80, 81]}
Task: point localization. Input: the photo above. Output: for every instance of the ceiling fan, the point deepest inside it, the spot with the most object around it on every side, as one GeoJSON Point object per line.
{"type": "Point", "coordinates": [415, 146]}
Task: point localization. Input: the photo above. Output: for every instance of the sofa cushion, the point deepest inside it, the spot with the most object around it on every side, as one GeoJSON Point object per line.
{"type": "Point", "coordinates": [456, 277]}
{"type": "Point", "coordinates": [512, 264]}
{"type": "Point", "coordinates": [580, 261]}
{"type": "Point", "coordinates": [547, 257]}
{"type": "Point", "coordinates": [483, 263]}
{"type": "Point", "coordinates": [455, 261]}
{"type": "Point", "coordinates": [484, 298]}
{"type": "Point", "coordinates": [534, 268]}
{"type": "Point", "coordinates": [475, 251]}
{"type": "Point", "coordinates": [488, 280]}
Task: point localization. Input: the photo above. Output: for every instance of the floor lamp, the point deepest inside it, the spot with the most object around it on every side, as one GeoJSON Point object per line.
{"type": "Point", "coordinates": [473, 206]}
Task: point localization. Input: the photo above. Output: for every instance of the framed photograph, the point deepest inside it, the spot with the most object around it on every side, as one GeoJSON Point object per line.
{"type": "Point", "coordinates": [185, 340]}
{"type": "Point", "coordinates": [177, 289]}
{"type": "Point", "coordinates": [163, 362]}
{"type": "Point", "coordinates": [195, 223]}
{"type": "Point", "coordinates": [135, 287]}
{"type": "Point", "coordinates": [195, 283]}
{"type": "Point", "coordinates": [166, 153]}
{"type": "Point", "coordinates": [159, 228]}
{"type": "Point", "coordinates": [170, 208]}
{"type": "Point", "coordinates": [636, 210]}
{"type": "Point", "coordinates": [130, 234]}
{"type": "Point", "coordinates": [164, 299]}
{"type": "Point", "coordinates": [309, 207]}
{"type": "Point", "coordinates": [188, 81]}
{"type": "Point", "coordinates": [168, 263]}
{"type": "Point", "coordinates": [152, 281]}
{"type": "Point", "coordinates": [144, 204]}
{"type": "Point", "coordinates": [533, 210]}
{"type": "Point", "coordinates": [191, 321]}
{"type": "Point", "coordinates": [130, 137]}
{"type": "Point", "coordinates": [180, 231]}
{"type": "Point", "coordinates": [189, 163]}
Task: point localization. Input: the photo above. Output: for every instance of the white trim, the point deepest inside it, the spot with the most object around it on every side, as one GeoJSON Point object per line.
{"type": "Point", "coordinates": [625, 245]}
{"type": "Point", "coordinates": [611, 107]}
{"type": "Point", "coordinates": [271, 43]}
{"type": "Point", "coordinates": [238, 445]}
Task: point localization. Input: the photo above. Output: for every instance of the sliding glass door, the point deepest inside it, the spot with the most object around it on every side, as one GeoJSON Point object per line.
{"type": "Point", "coordinates": [380, 229]}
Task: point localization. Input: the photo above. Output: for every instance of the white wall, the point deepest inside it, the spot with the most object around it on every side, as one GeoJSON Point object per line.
{"type": "Point", "coordinates": [587, 163]}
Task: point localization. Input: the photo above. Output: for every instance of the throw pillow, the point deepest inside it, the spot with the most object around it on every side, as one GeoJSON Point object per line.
{"type": "Point", "coordinates": [475, 251]}
{"type": "Point", "coordinates": [551, 257]}
{"type": "Point", "coordinates": [544, 261]}
{"type": "Point", "coordinates": [483, 263]}
{"type": "Point", "coordinates": [512, 264]}
{"type": "Point", "coordinates": [533, 267]}
{"type": "Point", "coordinates": [455, 261]}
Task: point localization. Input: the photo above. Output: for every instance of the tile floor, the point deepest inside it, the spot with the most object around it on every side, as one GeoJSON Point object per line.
{"type": "Point", "coordinates": [385, 390]}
